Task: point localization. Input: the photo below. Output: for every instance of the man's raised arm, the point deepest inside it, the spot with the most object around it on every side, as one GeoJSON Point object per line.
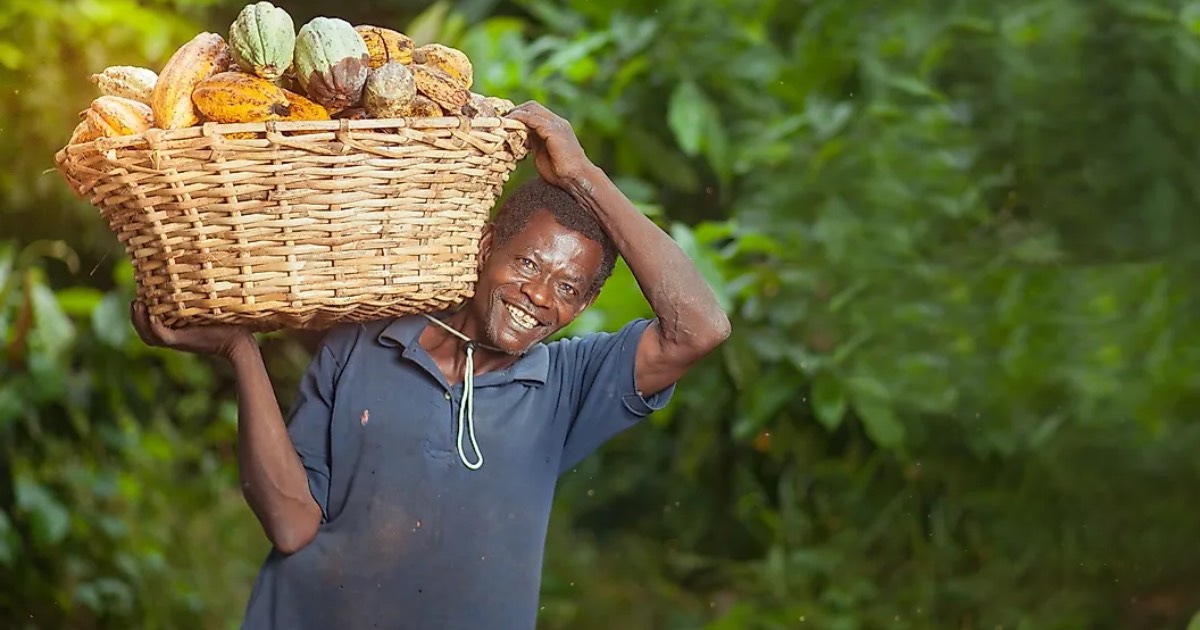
{"type": "Point", "coordinates": [690, 321]}
{"type": "Point", "coordinates": [273, 479]}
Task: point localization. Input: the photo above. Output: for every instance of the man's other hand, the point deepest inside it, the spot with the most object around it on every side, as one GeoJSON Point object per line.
{"type": "Point", "coordinates": [216, 340]}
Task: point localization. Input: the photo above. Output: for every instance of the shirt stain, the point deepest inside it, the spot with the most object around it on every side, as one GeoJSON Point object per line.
{"type": "Point", "coordinates": [366, 416]}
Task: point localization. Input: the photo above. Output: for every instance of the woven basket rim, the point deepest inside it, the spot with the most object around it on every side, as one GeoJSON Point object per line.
{"type": "Point", "coordinates": [337, 126]}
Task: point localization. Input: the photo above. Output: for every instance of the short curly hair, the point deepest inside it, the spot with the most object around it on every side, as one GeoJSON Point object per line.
{"type": "Point", "coordinates": [537, 194]}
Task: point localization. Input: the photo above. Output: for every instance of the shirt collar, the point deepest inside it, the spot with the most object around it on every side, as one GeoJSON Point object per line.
{"type": "Point", "coordinates": [405, 332]}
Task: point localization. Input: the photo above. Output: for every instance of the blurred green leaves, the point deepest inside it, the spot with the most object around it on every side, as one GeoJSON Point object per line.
{"type": "Point", "coordinates": [953, 241]}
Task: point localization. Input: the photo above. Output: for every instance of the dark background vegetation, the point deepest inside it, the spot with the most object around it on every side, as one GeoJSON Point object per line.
{"type": "Point", "coordinates": [956, 240]}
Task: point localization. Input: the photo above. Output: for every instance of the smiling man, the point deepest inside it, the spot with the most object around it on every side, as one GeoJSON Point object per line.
{"type": "Point", "coordinates": [412, 485]}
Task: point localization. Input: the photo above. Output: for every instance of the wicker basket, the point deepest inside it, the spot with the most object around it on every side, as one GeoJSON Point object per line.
{"type": "Point", "coordinates": [304, 224]}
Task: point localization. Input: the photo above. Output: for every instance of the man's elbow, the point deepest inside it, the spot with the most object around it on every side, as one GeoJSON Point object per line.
{"type": "Point", "coordinates": [710, 336]}
{"type": "Point", "coordinates": [724, 328]}
{"type": "Point", "coordinates": [290, 537]}
{"type": "Point", "coordinates": [292, 540]}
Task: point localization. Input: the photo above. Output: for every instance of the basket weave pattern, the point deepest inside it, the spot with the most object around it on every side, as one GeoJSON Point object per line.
{"type": "Point", "coordinates": [305, 224]}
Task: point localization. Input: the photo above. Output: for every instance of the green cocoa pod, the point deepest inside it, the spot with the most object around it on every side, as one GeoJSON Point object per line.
{"type": "Point", "coordinates": [389, 91]}
{"type": "Point", "coordinates": [262, 40]}
{"type": "Point", "coordinates": [331, 62]}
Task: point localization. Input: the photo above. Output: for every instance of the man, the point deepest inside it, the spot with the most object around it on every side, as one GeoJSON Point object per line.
{"type": "Point", "coordinates": [412, 486]}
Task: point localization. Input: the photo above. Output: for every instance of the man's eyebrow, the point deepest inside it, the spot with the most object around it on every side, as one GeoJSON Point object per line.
{"type": "Point", "coordinates": [532, 254]}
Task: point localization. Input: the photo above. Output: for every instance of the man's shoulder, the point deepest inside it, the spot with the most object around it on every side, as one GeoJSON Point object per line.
{"type": "Point", "coordinates": [592, 341]}
{"type": "Point", "coordinates": [343, 339]}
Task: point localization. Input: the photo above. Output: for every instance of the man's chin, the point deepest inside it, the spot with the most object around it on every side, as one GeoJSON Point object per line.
{"type": "Point", "coordinates": [516, 344]}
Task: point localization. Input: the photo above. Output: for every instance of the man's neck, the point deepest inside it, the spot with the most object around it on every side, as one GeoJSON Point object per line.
{"type": "Point", "coordinates": [449, 351]}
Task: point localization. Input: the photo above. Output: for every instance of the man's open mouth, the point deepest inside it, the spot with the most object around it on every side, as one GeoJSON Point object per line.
{"type": "Point", "coordinates": [521, 318]}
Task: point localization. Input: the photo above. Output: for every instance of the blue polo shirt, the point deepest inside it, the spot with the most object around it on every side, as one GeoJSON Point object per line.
{"type": "Point", "coordinates": [410, 537]}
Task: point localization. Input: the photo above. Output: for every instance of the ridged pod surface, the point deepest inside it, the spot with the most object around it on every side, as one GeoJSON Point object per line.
{"type": "Point", "coordinates": [423, 107]}
{"type": "Point", "coordinates": [303, 108]}
{"type": "Point", "coordinates": [262, 40]}
{"type": "Point", "coordinates": [501, 105]}
{"type": "Point", "coordinates": [237, 97]}
{"type": "Point", "coordinates": [331, 62]}
{"type": "Point", "coordinates": [478, 107]}
{"type": "Point", "coordinates": [486, 106]}
{"type": "Point", "coordinates": [112, 116]}
{"type": "Point", "coordinates": [83, 132]}
{"type": "Point", "coordinates": [384, 45]}
{"type": "Point", "coordinates": [205, 55]}
{"type": "Point", "coordinates": [389, 91]}
{"type": "Point", "coordinates": [452, 61]}
{"type": "Point", "coordinates": [127, 82]}
{"type": "Point", "coordinates": [441, 88]}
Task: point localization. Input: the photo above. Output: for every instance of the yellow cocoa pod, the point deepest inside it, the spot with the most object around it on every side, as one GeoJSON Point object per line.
{"type": "Point", "coordinates": [85, 131]}
{"type": "Point", "coordinates": [205, 55]}
{"type": "Point", "coordinates": [115, 116]}
{"type": "Point", "coordinates": [238, 97]}
{"type": "Point", "coordinates": [422, 107]}
{"type": "Point", "coordinates": [127, 81]}
{"type": "Point", "coordinates": [441, 88]}
{"type": "Point", "coordinates": [452, 61]}
{"type": "Point", "coordinates": [303, 108]}
{"type": "Point", "coordinates": [384, 45]}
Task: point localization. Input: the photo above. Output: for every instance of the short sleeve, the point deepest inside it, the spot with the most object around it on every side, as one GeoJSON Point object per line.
{"type": "Point", "coordinates": [311, 415]}
{"type": "Point", "coordinates": [599, 374]}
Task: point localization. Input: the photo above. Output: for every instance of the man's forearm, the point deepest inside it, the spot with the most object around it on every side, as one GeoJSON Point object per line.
{"type": "Point", "coordinates": [273, 479]}
{"type": "Point", "coordinates": [687, 309]}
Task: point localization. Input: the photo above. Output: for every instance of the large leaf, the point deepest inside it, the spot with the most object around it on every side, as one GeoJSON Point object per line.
{"type": "Point", "coordinates": [691, 117]}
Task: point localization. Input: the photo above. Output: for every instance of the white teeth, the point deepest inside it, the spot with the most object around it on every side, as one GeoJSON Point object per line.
{"type": "Point", "coordinates": [521, 317]}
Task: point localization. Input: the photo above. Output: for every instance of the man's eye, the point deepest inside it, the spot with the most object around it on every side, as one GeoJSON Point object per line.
{"type": "Point", "coordinates": [525, 262]}
{"type": "Point", "coordinates": [568, 289]}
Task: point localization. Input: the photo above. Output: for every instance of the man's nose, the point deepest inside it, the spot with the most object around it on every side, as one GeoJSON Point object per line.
{"type": "Point", "coordinates": [538, 292]}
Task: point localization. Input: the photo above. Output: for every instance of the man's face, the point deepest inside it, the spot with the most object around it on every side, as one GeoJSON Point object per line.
{"type": "Point", "coordinates": [535, 284]}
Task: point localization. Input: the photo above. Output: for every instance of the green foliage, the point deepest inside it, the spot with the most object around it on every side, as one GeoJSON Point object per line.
{"type": "Point", "coordinates": [954, 241]}
{"type": "Point", "coordinates": [104, 439]}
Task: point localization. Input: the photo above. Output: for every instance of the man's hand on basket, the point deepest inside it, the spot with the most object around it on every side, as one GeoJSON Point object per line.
{"type": "Point", "coordinates": [219, 340]}
{"type": "Point", "coordinates": [560, 158]}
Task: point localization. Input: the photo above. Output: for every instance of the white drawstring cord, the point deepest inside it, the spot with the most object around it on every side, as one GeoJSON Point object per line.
{"type": "Point", "coordinates": [467, 407]}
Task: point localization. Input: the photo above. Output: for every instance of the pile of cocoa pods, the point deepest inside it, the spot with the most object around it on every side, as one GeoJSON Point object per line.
{"type": "Point", "coordinates": [267, 71]}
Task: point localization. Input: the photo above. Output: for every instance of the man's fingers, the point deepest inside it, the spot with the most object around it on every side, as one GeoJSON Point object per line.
{"type": "Point", "coordinates": [141, 323]}
{"type": "Point", "coordinates": [529, 107]}
{"type": "Point", "coordinates": [529, 118]}
{"type": "Point", "coordinates": [164, 334]}
{"type": "Point", "coordinates": [149, 328]}
{"type": "Point", "coordinates": [536, 116]}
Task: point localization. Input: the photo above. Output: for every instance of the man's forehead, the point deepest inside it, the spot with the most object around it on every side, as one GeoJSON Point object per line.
{"type": "Point", "coordinates": [542, 231]}
{"type": "Point", "coordinates": [549, 242]}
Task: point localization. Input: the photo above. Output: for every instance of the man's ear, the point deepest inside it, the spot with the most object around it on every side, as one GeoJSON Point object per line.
{"type": "Point", "coordinates": [486, 241]}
